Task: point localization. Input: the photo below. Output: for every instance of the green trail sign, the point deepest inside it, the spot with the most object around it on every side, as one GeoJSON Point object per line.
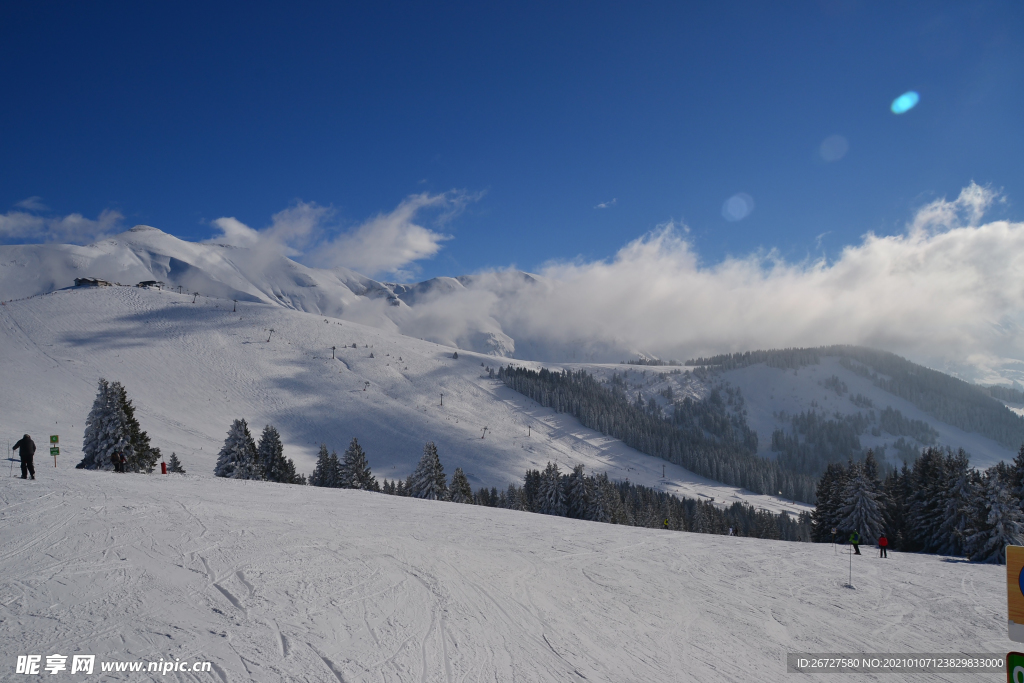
{"type": "Point", "coordinates": [54, 438]}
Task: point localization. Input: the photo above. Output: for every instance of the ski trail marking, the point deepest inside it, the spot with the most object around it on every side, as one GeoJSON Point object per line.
{"type": "Point", "coordinates": [241, 577]}
{"type": "Point", "coordinates": [231, 598]}
{"type": "Point", "coordinates": [328, 663]}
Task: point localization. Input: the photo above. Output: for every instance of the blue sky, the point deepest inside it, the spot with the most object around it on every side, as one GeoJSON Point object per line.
{"type": "Point", "coordinates": [177, 115]}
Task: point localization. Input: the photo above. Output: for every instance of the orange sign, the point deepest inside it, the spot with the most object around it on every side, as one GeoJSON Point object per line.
{"type": "Point", "coordinates": [1015, 591]}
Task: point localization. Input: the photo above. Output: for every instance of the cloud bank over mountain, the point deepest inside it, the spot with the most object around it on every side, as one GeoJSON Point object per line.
{"type": "Point", "coordinates": [946, 291]}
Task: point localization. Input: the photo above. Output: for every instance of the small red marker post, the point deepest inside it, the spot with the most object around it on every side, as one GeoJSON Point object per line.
{"type": "Point", "coordinates": [163, 468]}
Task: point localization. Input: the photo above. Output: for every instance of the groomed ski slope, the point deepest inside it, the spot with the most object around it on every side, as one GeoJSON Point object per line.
{"type": "Point", "coordinates": [272, 582]}
{"type": "Point", "coordinates": [193, 368]}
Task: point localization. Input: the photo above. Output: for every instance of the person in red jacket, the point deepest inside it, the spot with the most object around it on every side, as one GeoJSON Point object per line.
{"type": "Point", "coordinates": [883, 543]}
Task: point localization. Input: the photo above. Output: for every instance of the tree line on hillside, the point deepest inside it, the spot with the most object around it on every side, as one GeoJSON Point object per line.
{"type": "Point", "coordinates": [596, 498]}
{"type": "Point", "coordinates": [575, 494]}
{"type": "Point", "coordinates": [953, 401]}
{"type": "Point", "coordinates": [702, 436]}
{"type": "Point", "coordinates": [937, 505]}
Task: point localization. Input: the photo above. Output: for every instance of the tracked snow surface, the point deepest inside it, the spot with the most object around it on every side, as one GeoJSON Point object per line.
{"type": "Point", "coordinates": [272, 582]}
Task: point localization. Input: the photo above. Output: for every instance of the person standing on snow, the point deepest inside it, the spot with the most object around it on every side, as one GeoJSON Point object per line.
{"type": "Point", "coordinates": [855, 542]}
{"type": "Point", "coordinates": [26, 449]}
{"type": "Point", "coordinates": [883, 543]}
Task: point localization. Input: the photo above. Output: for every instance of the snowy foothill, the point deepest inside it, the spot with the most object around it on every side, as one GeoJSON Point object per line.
{"type": "Point", "coordinates": [194, 365]}
{"type": "Point", "coordinates": [273, 582]}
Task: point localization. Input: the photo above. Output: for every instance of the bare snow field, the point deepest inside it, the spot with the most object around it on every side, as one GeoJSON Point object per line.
{"type": "Point", "coordinates": [272, 582]}
{"type": "Point", "coordinates": [193, 368]}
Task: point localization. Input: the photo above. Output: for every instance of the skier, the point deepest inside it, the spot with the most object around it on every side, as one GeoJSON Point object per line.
{"type": "Point", "coordinates": [731, 532]}
{"type": "Point", "coordinates": [26, 449]}
{"type": "Point", "coordinates": [883, 543]}
{"type": "Point", "coordinates": [666, 524]}
{"type": "Point", "coordinates": [855, 542]}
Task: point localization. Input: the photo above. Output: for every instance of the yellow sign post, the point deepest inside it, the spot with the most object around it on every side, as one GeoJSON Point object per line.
{"type": "Point", "coordinates": [1015, 591]}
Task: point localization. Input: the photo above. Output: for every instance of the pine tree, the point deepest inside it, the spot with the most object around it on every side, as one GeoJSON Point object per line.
{"type": "Point", "coordinates": [1004, 524]}
{"type": "Point", "coordinates": [174, 465]}
{"type": "Point", "coordinates": [104, 435]}
{"type": "Point", "coordinates": [270, 456]}
{"type": "Point", "coordinates": [111, 428]}
{"type": "Point", "coordinates": [237, 458]}
{"type": "Point", "coordinates": [1017, 475]}
{"type": "Point", "coordinates": [551, 496]}
{"type": "Point", "coordinates": [514, 498]}
{"type": "Point", "coordinates": [956, 526]}
{"type": "Point", "coordinates": [355, 470]}
{"type": "Point", "coordinates": [461, 491]}
{"type": "Point", "coordinates": [141, 456]}
{"type": "Point", "coordinates": [602, 499]}
{"type": "Point", "coordinates": [322, 474]}
{"type": "Point", "coordinates": [428, 481]}
{"type": "Point", "coordinates": [861, 512]}
{"type": "Point", "coordinates": [577, 496]}
{"type": "Point", "coordinates": [830, 497]}
{"type": "Point", "coordinates": [701, 524]}
{"type": "Point", "coordinates": [928, 502]}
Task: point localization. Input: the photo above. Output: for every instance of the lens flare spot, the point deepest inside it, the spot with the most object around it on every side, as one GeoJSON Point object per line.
{"type": "Point", "coordinates": [834, 148]}
{"type": "Point", "coordinates": [737, 207]}
{"type": "Point", "coordinates": [905, 102]}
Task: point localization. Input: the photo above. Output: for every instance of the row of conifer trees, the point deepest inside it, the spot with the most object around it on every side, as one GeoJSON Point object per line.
{"type": "Point", "coordinates": [242, 458]}
{"type": "Point", "coordinates": [940, 505]}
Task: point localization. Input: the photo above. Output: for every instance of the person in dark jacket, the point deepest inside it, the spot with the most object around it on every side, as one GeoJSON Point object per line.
{"type": "Point", "coordinates": [883, 543]}
{"type": "Point", "coordinates": [27, 450]}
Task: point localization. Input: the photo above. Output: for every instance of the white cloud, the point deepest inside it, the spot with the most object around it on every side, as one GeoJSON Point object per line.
{"type": "Point", "coordinates": [73, 228]}
{"type": "Point", "coordinates": [607, 205]}
{"type": "Point", "coordinates": [947, 291]}
{"type": "Point", "coordinates": [388, 243]}
{"type": "Point", "coordinates": [32, 204]}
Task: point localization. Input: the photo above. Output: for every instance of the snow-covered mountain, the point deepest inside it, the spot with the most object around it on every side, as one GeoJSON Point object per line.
{"type": "Point", "coordinates": [442, 314]}
{"type": "Point", "coordinates": [257, 275]}
{"type": "Point", "coordinates": [193, 368]}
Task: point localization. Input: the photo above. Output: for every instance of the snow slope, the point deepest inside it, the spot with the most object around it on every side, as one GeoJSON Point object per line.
{"type": "Point", "coordinates": [251, 274]}
{"type": "Point", "coordinates": [768, 392]}
{"type": "Point", "coordinates": [193, 368]}
{"type": "Point", "coordinates": [272, 582]}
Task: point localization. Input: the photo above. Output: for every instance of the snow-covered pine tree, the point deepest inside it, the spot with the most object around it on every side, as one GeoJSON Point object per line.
{"type": "Point", "coordinates": [107, 429]}
{"type": "Point", "coordinates": [237, 458]}
{"type": "Point", "coordinates": [94, 446]}
{"type": "Point", "coordinates": [958, 512]}
{"type": "Point", "coordinates": [355, 470]}
{"type": "Point", "coordinates": [322, 474]}
{"type": "Point", "coordinates": [600, 502]}
{"type": "Point", "coordinates": [514, 498]}
{"type": "Point", "coordinates": [551, 496]}
{"type": "Point", "coordinates": [428, 481]}
{"type": "Point", "coordinates": [1004, 524]}
{"type": "Point", "coordinates": [830, 492]}
{"type": "Point", "coordinates": [577, 495]}
{"type": "Point", "coordinates": [141, 456]}
{"type": "Point", "coordinates": [930, 484]}
{"type": "Point", "coordinates": [461, 492]}
{"type": "Point", "coordinates": [174, 465]}
{"type": "Point", "coordinates": [862, 512]}
{"type": "Point", "coordinates": [270, 456]}
{"type": "Point", "coordinates": [700, 523]}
